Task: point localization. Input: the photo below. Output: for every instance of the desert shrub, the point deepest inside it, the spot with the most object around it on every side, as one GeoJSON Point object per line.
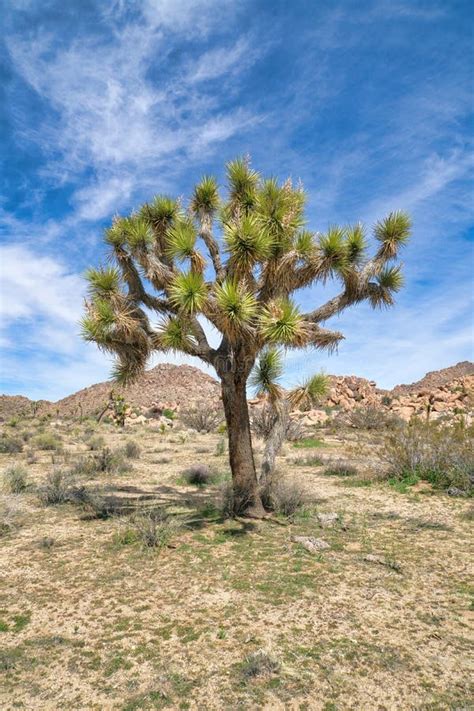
{"type": "Point", "coordinates": [10, 444]}
{"type": "Point", "coordinates": [48, 441]}
{"type": "Point", "coordinates": [229, 504]}
{"type": "Point", "coordinates": [15, 479]}
{"type": "Point", "coordinates": [260, 663]}
{"type": "Point", "coordinates": [198, 475]}
{"type": "Point", "coordinates": [9, 519]}
{"type": "Point", "coordinates": [96, 443]}
{"type": "Point", "coordinates": [31, 457]}
{"type": "Point", "coordinates": [153, 529]}
{"type": "Point", "coordinates": [312, 461]}
{"type": "Point", "coordinates": [109, 461]}
{"type": "Point", "coordinates": [439, 454]}
{"type": "Point", "coordinates": [262, 421]}
{"type": "Point", "coordinates": [202, 418]}
{"type": "Point", "coordinates": [284, 496]}
{"type": "Point", "coordinates": [95, 504]}
{"type": "Point", "coordinates": [220, 448]}
{"type": "Point", "coordinates": [169, 413]}
{"type": "Point", "coordinates": [340, 468]}
{"type": "Point", "coordinates": [132, 450]}
{"type": "Point", "coordinates": [56, 489]}
{"type": "Point", "coordinates": [371, 417]}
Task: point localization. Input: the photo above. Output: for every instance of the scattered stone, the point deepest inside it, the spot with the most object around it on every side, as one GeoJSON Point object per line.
{"type": "Point", "coordinates": [326, 520]}
{"type": "Point", "coordinates": [311, 544]}
{"type": "Point", "coordinates": [380, 560]}
{"type": "Point", "coordinates": [454, 491]}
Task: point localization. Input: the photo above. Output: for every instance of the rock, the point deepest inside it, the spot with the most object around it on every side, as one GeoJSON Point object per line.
{"type": "Point", "coordinates": [311, 544]}
{"type": "Point", "coordinates": [327, 520]}
{"type": "Point", "coordinates": [454, 491]}
{"type": "Point", "coordinates": [370, 558]}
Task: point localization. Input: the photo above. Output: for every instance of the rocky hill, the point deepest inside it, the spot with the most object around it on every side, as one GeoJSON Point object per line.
{"type": "Point", "coordinates": [437, 378]}
{"type": "Point", "coordinates": [165, 384]}
{"type": "Point", "coordinates": [440, 392]}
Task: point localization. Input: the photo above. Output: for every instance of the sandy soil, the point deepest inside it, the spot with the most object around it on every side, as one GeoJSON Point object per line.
{"type": "Point", "coordinates": [91, 619]}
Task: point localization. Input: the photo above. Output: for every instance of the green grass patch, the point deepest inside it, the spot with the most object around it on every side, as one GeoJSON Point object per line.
{"type": "Point", "coordinates": [402, 485]}
{"type": "Point", "coordinates": [309, 443]}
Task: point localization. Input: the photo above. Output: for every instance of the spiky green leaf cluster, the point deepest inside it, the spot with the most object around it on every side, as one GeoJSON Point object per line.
{"type": "Point", "coordinates": [181, 239]}
{"type": "Point", "coordinates": [393, 232]}
{"type": "Point", "coordinates": [356, 244]}
{"type": "Point", "coordinates": [243, 182]}
{"type": "Point", "coordinates": [310, 392]}
{"type": "Point", "coordinates": [237, 306]}
{"type": "Point", "coordinates": [247, 244]}
{"type": "Point", "coordinates": [138, 232]}
{"type": "Point", "coordinates": [333, 251]}
{"type": "Point", "coordinates": [173, 335]}
{"type": "Point", "coordinates": [103, 282]}
{"type": "Point", "coordinates": [281, 323]}
{"type": "Point", "coordinates": [205, 200]}
{"type": "Point", "coordinates": [304, 244]}
{"type": "Point", "coordinates": [266, 373]}
{"type": "Point", "coordinates": [188, 292]}
{"type": "Point", "coordinates": [160, 212]}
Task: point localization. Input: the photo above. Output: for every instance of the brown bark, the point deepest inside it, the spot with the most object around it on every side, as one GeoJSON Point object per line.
{"type": "Point", "coordinates": [247, 501]}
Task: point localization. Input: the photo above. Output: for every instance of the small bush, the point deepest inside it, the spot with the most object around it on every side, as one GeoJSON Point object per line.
{"type": "Point", "coordinates": [48, 442]}
{"type": "Point", "coordinates": [154, 529]}
{"type": "Point", "coordinates": [96, 443]}
{"type": "Point", "coordinates": [340, 468]}
{"type": "Point", "coordinates": [198, 475]}
{"type": "Point", "coordinates": [56, 489]}
{"type": "Point", "coordinates": [15, 479]}
{"type": "Point", "coordinates": [311, 461]}
{"type": "Point", "coordinates": [372, 417]}
{"type": "Point", "coordinates": [31, 457]}
{"type": "Point", "coordinates": [110, 462]}
{"type": "Point", "coordinates": [231, 505]}
{"type": "Point", "coordinates": [202, 418]}
{"type": "Point", "coordinates": [440, 454]}
{"type": "Point", "coordinates": [220, 448]}
{"type": "Point", "coordinates": [284, 496]}
{"type": "Point", "coordinates": [168, 413]}
{"type": "Point", "coordinates": [10, 445]}
{"type": "Point", "coordinates": [9, 519]}
{"type": "Point", "coordinates": [260, 663]}
{"type": "Point", "coordinates": [132, 450]}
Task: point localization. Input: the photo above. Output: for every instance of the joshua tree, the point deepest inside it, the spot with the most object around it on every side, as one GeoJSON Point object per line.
{"type": "Point", "coordinates": [260, 254]}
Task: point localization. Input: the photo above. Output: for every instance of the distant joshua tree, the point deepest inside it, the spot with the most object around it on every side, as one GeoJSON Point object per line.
{"type": "Point", "coordinates": [260, 254]}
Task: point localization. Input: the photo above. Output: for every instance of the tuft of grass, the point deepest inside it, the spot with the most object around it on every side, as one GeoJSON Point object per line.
{"type": "Point", "coordinates": [308, 443]}
{"type": "Point", "coordinates": [15, 479]}
{"type": "Point", "coordinates": [132, 450]}
{"type": "Point", "coordinates": [95, 443]}
{"type": "Point", "coordinates": [48, 442]}
{"type": "Point", "coordinates": [285, 496]}
{"type": "Point", "coordinates": [153, 529]}
{"type": "Point", "coordinates": [10, 444]}
{"type": "Point", "coordinates": [56, 489]}
{"type": "Point", "coordinates": [340, 468]}
{"type": "Point", "coordinates": [198, 475]}
{"type": "Point", "coordinates": [260, 663]}
{"type": "Point", "coordinates": [404, 483]}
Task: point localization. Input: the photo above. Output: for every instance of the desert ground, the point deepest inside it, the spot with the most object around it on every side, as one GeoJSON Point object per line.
{"type": "Point", "coordinates": [228, 613]}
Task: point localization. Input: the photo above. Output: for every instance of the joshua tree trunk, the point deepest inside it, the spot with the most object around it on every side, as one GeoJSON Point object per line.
{"type": "Point", "coordinates": [244, 477]}
{"type": "Point", "coordinates": [274, 440]}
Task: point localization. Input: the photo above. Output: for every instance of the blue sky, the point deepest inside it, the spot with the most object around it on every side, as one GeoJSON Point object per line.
{"type": "Point", "coordinates": [369, 102]}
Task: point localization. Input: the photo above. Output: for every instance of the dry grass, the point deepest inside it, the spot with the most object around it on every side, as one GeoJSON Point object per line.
{"type": "Point", "coordinates": [117, 613]}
